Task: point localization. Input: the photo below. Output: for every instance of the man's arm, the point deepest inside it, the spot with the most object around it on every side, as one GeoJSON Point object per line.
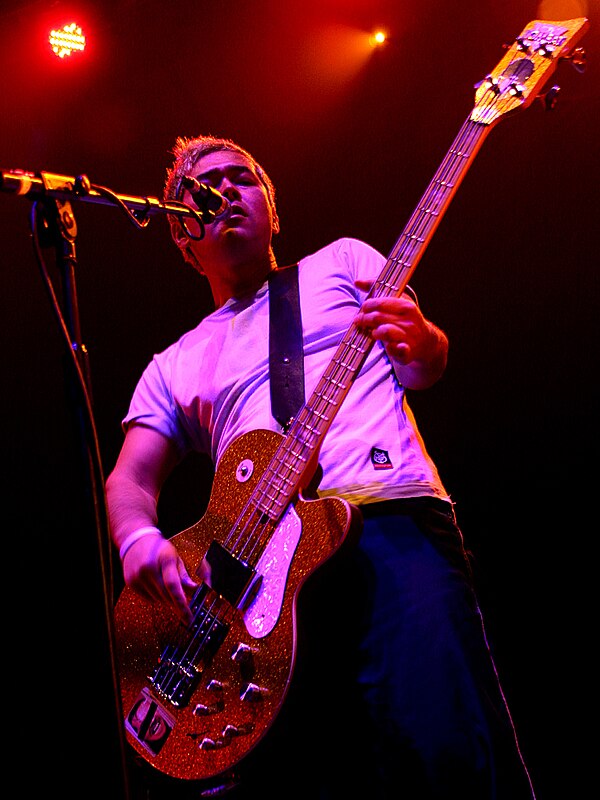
{"type": "Point", "coordinates": [151, 565]}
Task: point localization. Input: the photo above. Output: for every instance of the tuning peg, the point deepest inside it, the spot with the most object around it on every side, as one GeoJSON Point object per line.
{"type": "Point", "coordinates": [549, 98]}
{"type": "Point", "coordinates": [520, 43]}
{"type": "Point", "coordinates": [490, 83]}
{"type": "Point", "coordinates": [578, 59]}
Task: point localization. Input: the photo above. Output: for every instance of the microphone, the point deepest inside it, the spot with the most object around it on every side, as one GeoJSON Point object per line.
{"type": "Point", "coordinates": [211, 203]}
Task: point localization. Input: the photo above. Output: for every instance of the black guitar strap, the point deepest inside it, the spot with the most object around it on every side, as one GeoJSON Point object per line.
{"type": "Point", "coordinates": [286, 352]}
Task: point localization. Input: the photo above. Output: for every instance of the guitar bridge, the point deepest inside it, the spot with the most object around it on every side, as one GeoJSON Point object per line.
{"type": "Point", "coordinates": [181, 664]}
{"type": "Point", "coordinates": [226, 583]}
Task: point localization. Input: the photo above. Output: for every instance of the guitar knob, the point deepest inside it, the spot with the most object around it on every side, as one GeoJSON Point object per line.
{"type": "Point", "coordinates": [215, 686]}
{"type": "Point", "coordinates": [242, 653]}
{"type": "Point", "coordinates": [229, 731]}
{"type": "Point", "coordinates": [202, 710]}
{"type": "Point", "coordinates": [210, 744]}
{"type": "Point", "coordinates": [252, 692]}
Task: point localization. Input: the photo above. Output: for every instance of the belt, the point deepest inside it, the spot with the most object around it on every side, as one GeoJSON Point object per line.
{"type": "Point", "coordinates": [404, 505]}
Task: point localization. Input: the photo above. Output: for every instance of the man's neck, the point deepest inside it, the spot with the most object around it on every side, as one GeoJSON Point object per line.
{"type": "Point", "coordinates": [240, 280]}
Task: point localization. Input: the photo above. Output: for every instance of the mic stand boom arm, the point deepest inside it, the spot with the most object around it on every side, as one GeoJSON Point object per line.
{"type": "Point", "coordinates": [66, 187]}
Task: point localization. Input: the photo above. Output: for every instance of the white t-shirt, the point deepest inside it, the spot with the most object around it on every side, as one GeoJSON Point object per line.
{"type": "Point", "coordinates": [212, 385]}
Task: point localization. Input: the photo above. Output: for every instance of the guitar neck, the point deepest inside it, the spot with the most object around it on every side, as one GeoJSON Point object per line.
{"type": "Point", "coordinates": [410, 246]}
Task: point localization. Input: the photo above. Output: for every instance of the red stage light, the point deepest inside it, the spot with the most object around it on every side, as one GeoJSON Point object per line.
{"type": "Point", "coordinates": [66, 41]}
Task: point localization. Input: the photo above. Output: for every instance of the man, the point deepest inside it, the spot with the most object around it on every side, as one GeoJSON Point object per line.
{"type": "Point", "coordinates": [396, 693]}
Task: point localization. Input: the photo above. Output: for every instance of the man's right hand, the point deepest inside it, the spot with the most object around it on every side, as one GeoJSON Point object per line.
{"type": "Point", "coordinates": [153, 568]}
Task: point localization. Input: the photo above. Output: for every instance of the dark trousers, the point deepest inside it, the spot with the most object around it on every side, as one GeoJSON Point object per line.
{"type": "Point", "coordinates": [395, 694]}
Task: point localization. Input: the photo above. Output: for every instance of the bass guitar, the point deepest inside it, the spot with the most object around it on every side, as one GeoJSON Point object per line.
{"type": "Point", "coordinates": [198, 698]}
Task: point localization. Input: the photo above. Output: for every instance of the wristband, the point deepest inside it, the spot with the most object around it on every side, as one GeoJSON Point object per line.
{"type": "Point", "coordinates": [133, 537]}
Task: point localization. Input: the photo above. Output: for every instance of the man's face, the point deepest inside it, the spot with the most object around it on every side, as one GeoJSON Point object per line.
{"type": "Point", "coordinates": [249, 223]}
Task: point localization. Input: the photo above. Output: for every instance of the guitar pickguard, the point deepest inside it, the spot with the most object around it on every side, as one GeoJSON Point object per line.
{"type": "Point", "coordinates": [273, 567]}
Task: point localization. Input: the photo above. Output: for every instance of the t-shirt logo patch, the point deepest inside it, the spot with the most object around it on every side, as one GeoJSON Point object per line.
{"type": "Point", "coordinates": [380, 458]}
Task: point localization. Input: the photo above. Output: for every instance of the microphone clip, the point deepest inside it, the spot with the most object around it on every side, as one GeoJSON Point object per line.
{"type": "Point", "coordinates": [211, 203]}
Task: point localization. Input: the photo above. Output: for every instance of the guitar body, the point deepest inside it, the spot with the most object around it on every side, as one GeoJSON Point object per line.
{"type": "Point", "coordinates": [239, 688]}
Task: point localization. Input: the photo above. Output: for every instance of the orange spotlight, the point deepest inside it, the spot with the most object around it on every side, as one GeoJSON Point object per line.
{"type": "Point", "coordinates": [66, 41]}
{"type": "Point", "coordinates": [377, 38]}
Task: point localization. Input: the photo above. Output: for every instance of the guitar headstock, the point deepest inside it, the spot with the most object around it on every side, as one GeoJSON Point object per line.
{"type": "Point", "coordinates": [527, 64]}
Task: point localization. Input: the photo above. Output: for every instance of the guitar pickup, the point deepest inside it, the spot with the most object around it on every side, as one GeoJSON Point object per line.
{"type": "Point", "coordinates": [231, 578]}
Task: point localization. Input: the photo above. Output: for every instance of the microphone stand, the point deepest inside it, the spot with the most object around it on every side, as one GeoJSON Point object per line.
{"type": "Point", "coordinates": [55, 226]}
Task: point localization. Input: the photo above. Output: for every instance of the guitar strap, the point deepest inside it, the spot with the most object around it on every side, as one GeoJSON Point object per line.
{"type": "Point", "coordinates": [286, 352]}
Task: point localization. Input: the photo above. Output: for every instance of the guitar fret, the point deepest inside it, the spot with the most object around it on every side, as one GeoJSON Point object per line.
{"type": "Point", "coordinates": [308, 430]}
{"type": "Point", "coordinates": [318, 418]}
{"type": "Point", "coordinates": [290, 467]}
{"type": "Point", "coordinates": [297, 456]}
{"type": "Point", "coordinates": [330, 401]}
{"type": "Point", "coordinates": [460, 153]}
{"type": "Point", "coordinates": [402, 263]}
{"type": "Point", "coordinates": [357, 348]}
{"type": "Point", "coordinates": [393, 286]}
{"type": "Point", "coordinates": [425, 210]}
{"type": "Point", "coordinates": [341, 363]}
{"type": "Point", "coordinates": [263, 507]}
{"type": "Point", "coordinates": [337, 383]}
{"type": "Point", "coordinates": [283, 463]}
{"type": "Point", "coordinates": [311, 431]}
{"type": "Point", "coordinates": [274, 499]}
{"type": "Point", "coordinates": [277, 484]}
{"type": "Point", "coordinates": [293, 469]}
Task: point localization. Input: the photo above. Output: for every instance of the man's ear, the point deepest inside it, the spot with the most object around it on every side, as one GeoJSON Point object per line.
{"type": "Point", "coordinates": [179, 236]}
{"type": "Point", "coordinates": [275, 223]}
{"type": "Point", "coordinates": [182, 240]}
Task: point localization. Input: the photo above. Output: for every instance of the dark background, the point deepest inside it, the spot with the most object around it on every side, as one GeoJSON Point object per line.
{"type": "Point", "coordinates": [351, 137]}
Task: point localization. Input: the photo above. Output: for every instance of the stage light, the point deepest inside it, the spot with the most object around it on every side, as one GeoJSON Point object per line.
{"type": "Point", "coordinates": [377, 38]}
{"type": "Point", "coordinates": [66, 41]}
